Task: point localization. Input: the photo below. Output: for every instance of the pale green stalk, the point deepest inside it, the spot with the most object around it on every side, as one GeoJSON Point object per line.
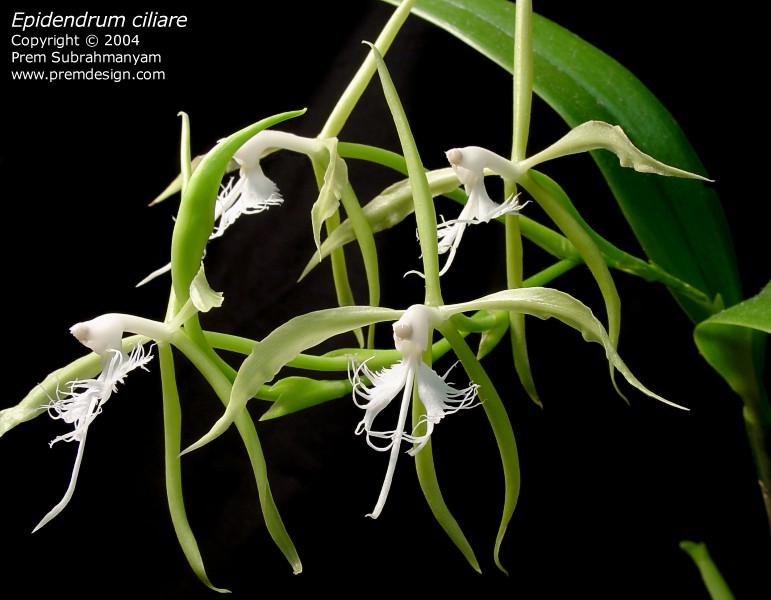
{"type": "Point", "coordinates": [523, 78]}
{"type": "Point", "coordinates": [332, 128]}
{"type": "Point", "coordinates": [360, 81]}
{"type": "Point", "coordinates": [522, 101]}
{"type": "Point", "coordinates": [713, 580]}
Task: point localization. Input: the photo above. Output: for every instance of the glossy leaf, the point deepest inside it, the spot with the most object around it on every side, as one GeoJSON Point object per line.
{"type": "Point", "coordinates": [733, 342]}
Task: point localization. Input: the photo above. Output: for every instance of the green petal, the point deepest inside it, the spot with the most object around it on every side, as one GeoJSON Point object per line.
{"type": "Point", "coordinates": [545, 303]}
{"type": "Point", "coordinates": [335, 180]}
{"type": "Point", "coordinates": [203, 297]}
{"type": "Point", "coordinates": [598, 135]}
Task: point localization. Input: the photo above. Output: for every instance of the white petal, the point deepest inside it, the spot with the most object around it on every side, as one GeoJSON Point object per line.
{"type": "Point", "coordinates": [259, 192]}
{"type": "Point", "coordinates": [71, 487]}
{"type": "Point", "coordinates": [385, 385]}
{"type": "Point", "coordinates": [253, 192]}
{"type": "Point", "coordinates": [439, 399]}
{"type": "Point", "coordinates": [396, 443]}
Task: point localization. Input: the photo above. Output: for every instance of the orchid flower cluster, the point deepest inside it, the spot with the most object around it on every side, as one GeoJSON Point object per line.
{"type": "Point", "coordinates": [229, 182]}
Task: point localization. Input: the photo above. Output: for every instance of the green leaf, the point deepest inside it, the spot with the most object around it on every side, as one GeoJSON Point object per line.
{"type": "Point", "coordinates": [679, 223]}
{"type": "Point", "coordinates": [733, 342]}
{"type": "Point", "coordinates": [724, 341]}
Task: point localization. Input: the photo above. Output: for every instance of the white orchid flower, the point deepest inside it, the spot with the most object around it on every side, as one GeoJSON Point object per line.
{"type": "Point", "coordinates": [84, 398]}
{"type": "Point", "coordinates": [411, 338]}
{"type": "Point", "coordinates": [254, 192]}
{"type": "Point", "coordinates": [472, 163]}
{"type": "Point", "coordinates": [469, 165]}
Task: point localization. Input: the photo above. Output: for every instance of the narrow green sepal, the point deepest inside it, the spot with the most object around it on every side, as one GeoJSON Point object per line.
{"type": "Point", "coordinates": [195, 219]}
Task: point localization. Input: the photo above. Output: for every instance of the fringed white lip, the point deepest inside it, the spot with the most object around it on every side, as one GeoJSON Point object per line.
{"type": "Point", "coordinates": [469, 165]}
{"type": "Point", "coordinates": [83, 402]}
{"type": "Point", "coordinates": [439, 398]}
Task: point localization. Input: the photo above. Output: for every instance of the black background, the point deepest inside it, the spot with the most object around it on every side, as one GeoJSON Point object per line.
{"type": "Point", "coordinates": [608, 489]}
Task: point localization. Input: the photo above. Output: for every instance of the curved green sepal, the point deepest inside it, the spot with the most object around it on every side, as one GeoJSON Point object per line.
{"type": "Point", "coordinates": [172, 428]}
{"type": "Point", "coordinates": [421, 192]}
{"type": "Point", "coordinates": [522, 358]}
{"type": "Point", "coordinates": [273, 521]}
{"type": "Point", "coordinates": [220, 383]}
{"type": "Point", "coordinates": [195, 219]}
{"type": "Point", "coordinates": [545, 303]}
{"type": "Point", "coordinates": [492, 336]}
{"type": "Point", "coordinates": [429, 484]}
{"type": "Point", "coordinates": [282, 345]}
{"type": "Point", "coordinates": [598, 135]}
{"type": "Point", "coordinates": [502, 430]}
